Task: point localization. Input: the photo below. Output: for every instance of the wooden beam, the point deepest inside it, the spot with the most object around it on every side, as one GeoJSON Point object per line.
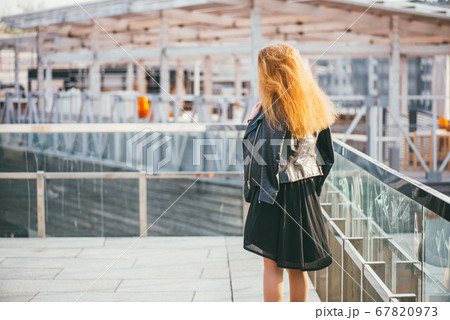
{"type": "Point", "coordinates": [195, 51]}
{"type": "Point", "coordinates": [325, 13]}
{"type": "Point", "coordinates": [313, 27]}
{"type": "Point", "coordinates": [425, 40]}
{"type": "Point", "coordinates": [424, 50]}
{"type": "Point", "coordinates": [81, 31]}
{"type": "Point", "coordinates": [74, 13]}
{"type": "Point", "coordinates": [431, 28]}
{"type": "Point", "coordinates": [113, 24]}
{"type": "Point", "coordinates": [204, 18]}
{"type": "Point", "coordinates": [149, 24]}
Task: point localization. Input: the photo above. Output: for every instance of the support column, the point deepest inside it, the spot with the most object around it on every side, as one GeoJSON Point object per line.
{"type": "Point", "coordinates": [372, 113]}
{"type": "Point", "coordinates": [180, 79]}
{"type": "Point", "coordinates": [207, 77]}
{"type": "Point", "coordinates": [438, 82]}
{"type": "Point", "coordinates": [40, 71]}
{"type": "Point", "coordinates": [312, 67]}
{"type": "Point", "coordinates": [40, 196]}
{"type": "Point", "coordinates": [16, 72]}
{"type": "Point", "coordinates": [48, 86]}
{"type": "Point", "coordinates": [179, 83]}
{"type": "Point", "coordinates": [256, 43]}
{"type": "Point", "coordinates": [140, 75]}
{"type": "Point", "coordinates": [394, 88]}
{"type": "Point", "coordinates": [130, 77]}
{"type": "Point", "coordinates": [197, 78]}
{"type": "Point", "coordinates": [446, 114]}
{"type": "Point", "coordinates": [403, 84]}
{"type": "Point", "coordinates": [237, 78]}
{"type": "Point", "coordinates": [403, 104]}
{"type": "Point", "coordinates": [164, 62]}
{"type": "Point", "coordinates": [94, 77]}
{"type": "Point", "coordinates": [94, 69]}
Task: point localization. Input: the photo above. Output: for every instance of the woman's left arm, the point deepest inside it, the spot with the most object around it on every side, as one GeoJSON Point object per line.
{"type": "Point", "coordinates": [325, 147]}
{"type": "Point", "coordinates": [270, 152]}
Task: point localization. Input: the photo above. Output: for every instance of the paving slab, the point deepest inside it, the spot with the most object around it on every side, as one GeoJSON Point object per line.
{"type": "Point", "coordinates": [215, 272]}
{"type": "Point", "coordinates": [179, 296]}
{"type": "Point", "coordinates": [28, 273]}
{"type": "Point", "coordinates": [169, 272]}
{"type": "Point", "coordinates": [17, 296]}
{"type": "Point", "coordinates": [57, 285]}
{"type": "Point", "coordinates": [180, 242]}
{"type": "Point", "coordinates": [206, 268]}
{"type": "Point", "coordinates": [157, 253]}
{"type": "Point", "coordinates": [208, 285]}
{"type": "Point", "coordinates": [207, 296]}
{"type": "Point", "coordinates": [53, 242]}
{"type": "Point", "coordinates": [38, 252]}
{"type": "Point", "coordinates": [27, 262]}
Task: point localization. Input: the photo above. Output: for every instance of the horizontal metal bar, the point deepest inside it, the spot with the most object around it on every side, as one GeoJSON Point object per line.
{"type": "Point", "coordinates": [423, 97]}
{"type": "Point", "coordinates": [18, 175]}
{"type": "Point", "coordinates": [375, 281]}
{"type": "Point", "coordinates": [119, 127]}
{"type": "Point", "coordinates": [118, 175]}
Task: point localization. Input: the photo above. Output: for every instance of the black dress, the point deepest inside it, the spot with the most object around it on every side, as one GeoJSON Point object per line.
{"type": "Point", "coordinates": [292, 230]}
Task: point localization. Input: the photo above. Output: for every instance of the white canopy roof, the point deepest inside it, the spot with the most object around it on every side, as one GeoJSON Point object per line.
{"type": "Point", "coordinates": [223, 27]}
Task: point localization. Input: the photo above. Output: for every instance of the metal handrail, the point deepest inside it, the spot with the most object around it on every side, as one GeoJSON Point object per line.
{"type": "Point", "coordinates": [119, 127]}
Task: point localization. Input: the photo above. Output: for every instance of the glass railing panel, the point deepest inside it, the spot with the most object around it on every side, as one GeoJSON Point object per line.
{"type": "Point", "coordinates": [92, 207]}
{"type": "Point", "coordinates": [434, 250]}
{"type": "Point", "coordinates": [85, 191]}
{"type": "Point", "coordinates": [148, 150]}
{"type": "Point", "coordinates": [394, 235]}
{"type": "Point", "coordinates": [209, 206]}
{"type": "Point", "coordinates": [18, 208]}
{"type": "Point", "coordinates": [395, 230]}
{"type": "Point", "coordinates": [346, 194]}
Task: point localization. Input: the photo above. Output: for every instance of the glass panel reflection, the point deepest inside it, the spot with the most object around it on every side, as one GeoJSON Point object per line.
{"type": "Point", "coordinates": [435, 251]}
{"type": "Point", "coordinates": [385, 228]}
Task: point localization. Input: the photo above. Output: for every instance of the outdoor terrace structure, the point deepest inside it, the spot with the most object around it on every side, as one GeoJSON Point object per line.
{"type": "Point", "coordinates": [387, 232]}
{"type": "Point", "coordinates": [218, 41]}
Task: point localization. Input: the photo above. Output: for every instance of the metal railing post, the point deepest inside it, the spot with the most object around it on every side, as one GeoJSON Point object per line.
{"type": "Point", "coordinates": [142, 204]}
{"type": "Point", "coordinates": [434, 141]}
{"type": "Point", "coordinates": [40, 189]}
{"type": "Point", "coordinates": [434, 174]}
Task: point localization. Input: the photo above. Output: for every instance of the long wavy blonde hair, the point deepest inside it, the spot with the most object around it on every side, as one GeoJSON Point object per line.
{"type": "Point", "coordinates": [290, 94]}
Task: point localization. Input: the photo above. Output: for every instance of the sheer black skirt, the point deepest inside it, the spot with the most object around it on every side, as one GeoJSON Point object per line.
{"type": "Point", "coordinates": [292, 230]}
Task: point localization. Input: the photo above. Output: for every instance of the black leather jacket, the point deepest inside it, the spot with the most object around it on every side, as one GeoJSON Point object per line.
{"type": "Point", "coordinates": [274, 157]}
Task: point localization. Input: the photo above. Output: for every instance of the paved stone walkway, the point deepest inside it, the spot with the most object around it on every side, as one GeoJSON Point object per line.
{"type": "Point", "coordinates": [152, 269]}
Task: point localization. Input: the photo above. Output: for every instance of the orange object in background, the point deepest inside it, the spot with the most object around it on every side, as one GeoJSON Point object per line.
{"type": "Point", "coordinates": [443, 123]}
{"type": "Point", "coordinates": [144, 107]}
